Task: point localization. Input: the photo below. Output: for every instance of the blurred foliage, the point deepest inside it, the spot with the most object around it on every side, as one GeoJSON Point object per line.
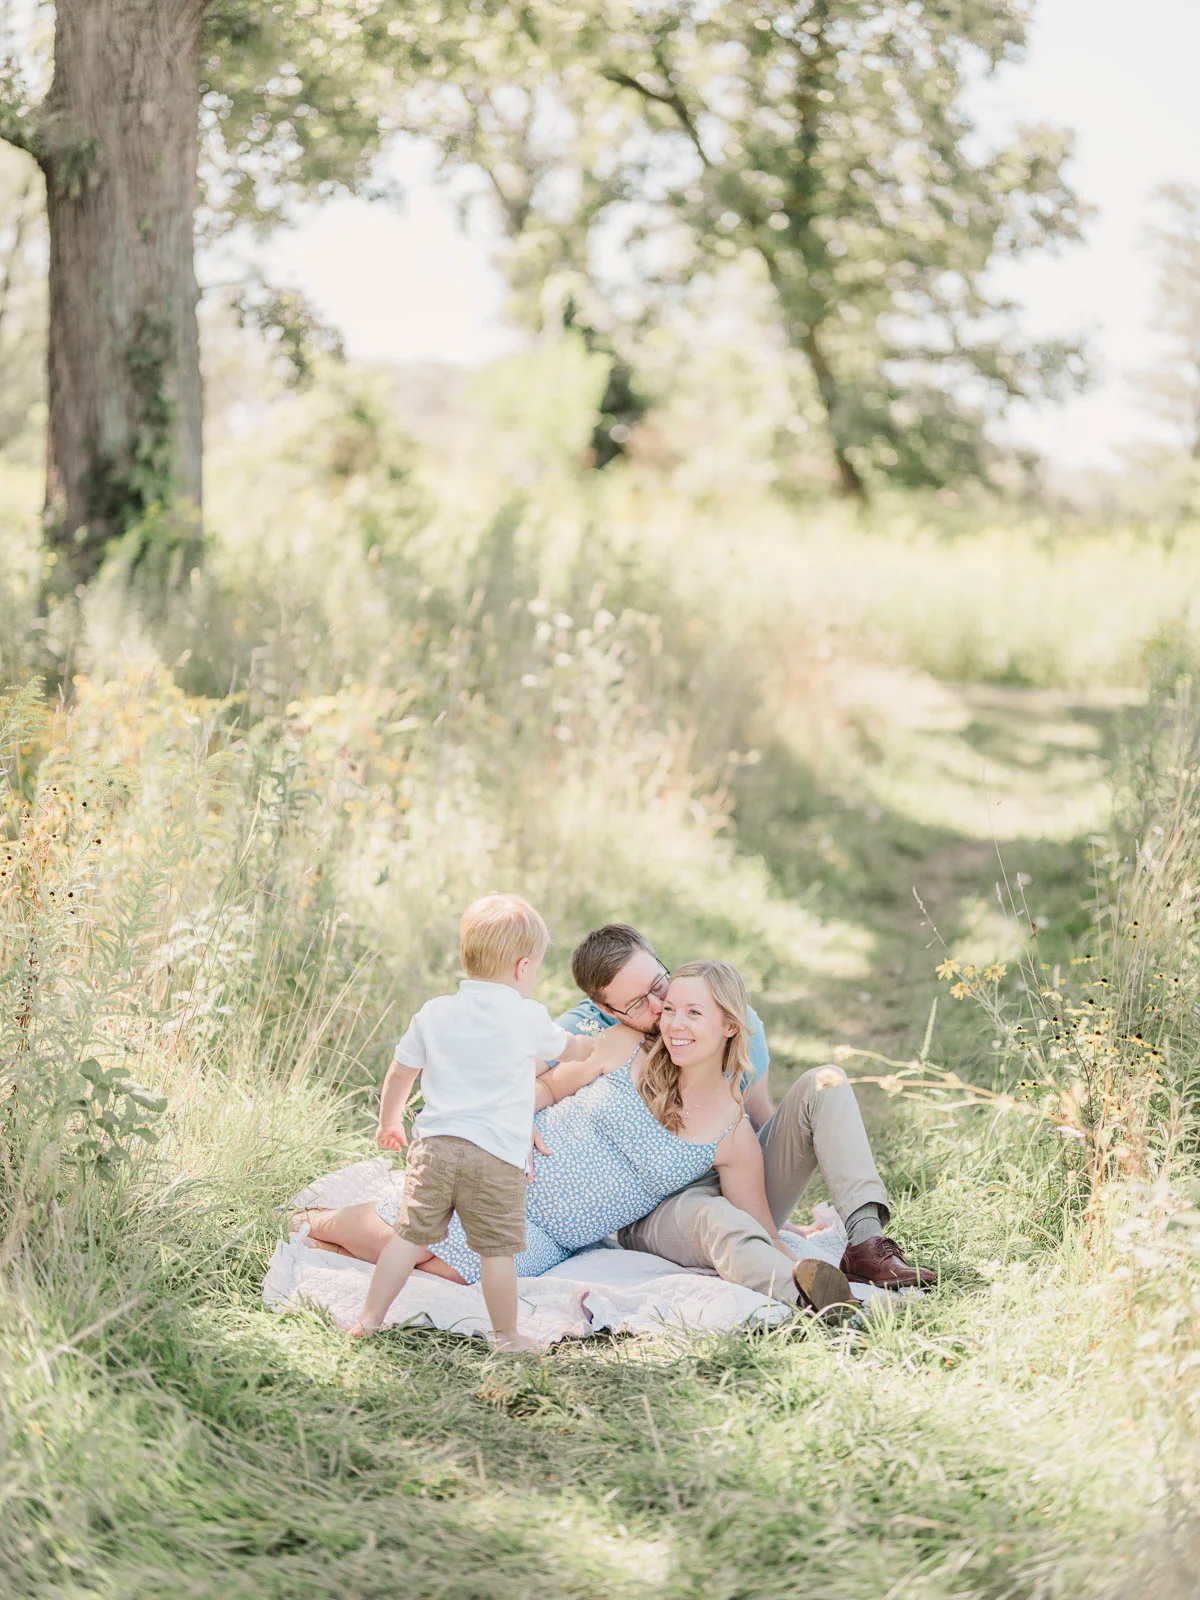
{"type": "Point", "coordinates": [295, 100]}
{"type": "Point", "coordinates": [833, 144]}
{"type": "Point", "coordinates": [1171, 388]}
{"type": "Point", "coordinates": [22, 302]}
{"type": "Point", "coordinates": [291, 325]}
{"type": "Point", "coordinates": [637, 157]}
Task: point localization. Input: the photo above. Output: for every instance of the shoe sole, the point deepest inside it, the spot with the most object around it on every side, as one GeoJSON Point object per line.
{"type": "Point", "coordinates": [892, 1285]}
{"type": "Point", "coordinates": [825, 1289]}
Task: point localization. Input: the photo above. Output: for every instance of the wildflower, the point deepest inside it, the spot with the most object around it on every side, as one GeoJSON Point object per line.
{"type": "Point", "coordinates": [996, 971]}
{"type": "Point", "coordinates": [960, 991]}
{"type": "Point", "coordinates": [829, 1077]}
{"type": "Point", "coordinates": [970, 972]}
{"type": "Point", "coordinates": [842, 1052]}
{"type": "Point", "coordinates": [948, 968]}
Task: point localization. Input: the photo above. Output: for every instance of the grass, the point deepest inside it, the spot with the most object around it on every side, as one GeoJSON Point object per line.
{"type": "Point", "coordinates": [280, 830]}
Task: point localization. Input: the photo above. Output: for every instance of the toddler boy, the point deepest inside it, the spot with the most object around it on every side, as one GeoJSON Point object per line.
{"type": "Point", "coordinates": [476, 1052]}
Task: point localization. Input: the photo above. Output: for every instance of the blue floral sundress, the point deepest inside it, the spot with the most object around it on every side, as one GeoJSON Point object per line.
{"type": "Point", "coordinates": [610, 1163]}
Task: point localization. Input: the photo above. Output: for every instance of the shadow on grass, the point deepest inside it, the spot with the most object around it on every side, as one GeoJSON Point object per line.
{"type": "Point", "coordinates": [848, 857]}
{"type": "Point", "coordinates": [294, 1465]}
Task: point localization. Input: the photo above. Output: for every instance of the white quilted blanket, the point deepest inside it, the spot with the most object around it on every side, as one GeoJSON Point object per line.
{"type": "Point", "coordinates": [596, 1291]}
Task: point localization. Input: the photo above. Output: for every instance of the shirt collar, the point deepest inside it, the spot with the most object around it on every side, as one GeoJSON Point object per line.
{"type": "Point", "coordinates": [478, 985]}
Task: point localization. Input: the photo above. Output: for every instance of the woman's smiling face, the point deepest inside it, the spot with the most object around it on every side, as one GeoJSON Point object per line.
{"type": "Point", "coordinates": [693, 1026]}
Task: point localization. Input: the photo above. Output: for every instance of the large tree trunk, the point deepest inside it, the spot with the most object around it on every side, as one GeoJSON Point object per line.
{"type": "Point", "coordinates": [118, 146]}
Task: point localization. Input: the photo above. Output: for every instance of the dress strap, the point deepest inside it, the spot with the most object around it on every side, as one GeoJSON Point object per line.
{"type": "Point", "coordinates": [731, 1127]}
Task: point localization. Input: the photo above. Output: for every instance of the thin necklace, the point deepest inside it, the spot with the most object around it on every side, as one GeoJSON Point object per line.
{"type": "Point", "coordinates": [706, 1101]}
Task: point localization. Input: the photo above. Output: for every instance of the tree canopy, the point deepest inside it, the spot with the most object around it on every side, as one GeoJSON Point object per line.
{"type": "Point", "coordinates": [632, 149]}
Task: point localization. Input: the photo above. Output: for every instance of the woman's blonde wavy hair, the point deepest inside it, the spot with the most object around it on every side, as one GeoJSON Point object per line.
{"type": "Point", "coordinates": [658, 1082]}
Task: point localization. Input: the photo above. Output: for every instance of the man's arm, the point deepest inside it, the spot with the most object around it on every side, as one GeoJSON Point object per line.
{"type": "Point", "coordinates": [757, 1101]}
{"type": "Point", "coordinates": [757, 1098]}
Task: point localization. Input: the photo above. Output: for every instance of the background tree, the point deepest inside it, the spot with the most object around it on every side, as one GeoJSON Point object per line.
{"type": "Point", "coordinates": [280, 101]}
{"type": "Point", "coordinates": [1171, 387]}
{"type": "Point", "coordinates": [828, 139]}
{"type": "Point", "coordinates": [522, 106]}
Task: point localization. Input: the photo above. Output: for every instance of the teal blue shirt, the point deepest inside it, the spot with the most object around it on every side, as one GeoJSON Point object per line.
{"type": "Point", "coordinates": [587, 1017]}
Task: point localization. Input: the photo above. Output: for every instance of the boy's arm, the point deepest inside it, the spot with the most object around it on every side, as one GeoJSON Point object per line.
{"type": "Point", "coordinates": [579, 1047]}
{"type": "Point", "coordinates": [397, 1087]}
{"type": "Point", "coordinates": [557, 1082]}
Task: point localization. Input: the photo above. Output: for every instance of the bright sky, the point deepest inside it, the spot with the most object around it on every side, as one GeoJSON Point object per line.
{"type": "Point", "coordinates": [414, 286]}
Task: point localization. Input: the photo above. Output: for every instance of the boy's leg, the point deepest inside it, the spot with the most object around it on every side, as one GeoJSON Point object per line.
{"type": "Point", "coordinates": [490, 1202]}
{"type": "Point", "coordinates": [392, 1270]}
{"type": "Point", "coordinates": [498, 1280]}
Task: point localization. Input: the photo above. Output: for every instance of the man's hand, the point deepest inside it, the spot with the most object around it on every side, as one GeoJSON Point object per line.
{"type": "Point", "coordinates": [391, 1136]}
{"type": "Point", "coordinates": [539, 1144]}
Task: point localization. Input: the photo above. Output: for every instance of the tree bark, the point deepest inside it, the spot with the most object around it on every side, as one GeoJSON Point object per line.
{"type": "Point", "coordinates": [117, 139]}
{"type": "Point", "coordinates": [802, 335]}
{"type": "Point", "coordinates": [852, 485]}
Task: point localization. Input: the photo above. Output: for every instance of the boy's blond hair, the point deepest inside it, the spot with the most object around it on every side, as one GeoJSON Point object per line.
{"type": "Point", "coordinates": [498, 931]}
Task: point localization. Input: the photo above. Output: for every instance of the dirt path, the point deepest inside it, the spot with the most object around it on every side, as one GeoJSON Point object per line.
{"type": "Point", "coordinates": [971, 798]}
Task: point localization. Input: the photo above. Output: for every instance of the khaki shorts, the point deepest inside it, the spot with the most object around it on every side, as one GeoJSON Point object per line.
{"type": "Point", "coordinates": [445, 1175]}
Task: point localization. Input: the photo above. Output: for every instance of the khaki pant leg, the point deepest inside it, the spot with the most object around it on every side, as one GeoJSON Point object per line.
{"type": "Point", "coordinates": [818, 1125]}
{"type": "Point", "coordinates": [698, 1227]}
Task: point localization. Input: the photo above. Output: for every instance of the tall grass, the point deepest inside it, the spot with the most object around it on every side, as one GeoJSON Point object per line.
{"type": "Point", "coordinates": [236, 840]}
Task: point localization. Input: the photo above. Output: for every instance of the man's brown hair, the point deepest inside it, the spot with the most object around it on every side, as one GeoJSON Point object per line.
{"type": "Point", "coordinates": [596, 962]}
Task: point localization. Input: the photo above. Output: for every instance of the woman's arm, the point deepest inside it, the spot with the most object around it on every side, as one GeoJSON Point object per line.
{"type": "Point", "coordinates": [739, 1164]}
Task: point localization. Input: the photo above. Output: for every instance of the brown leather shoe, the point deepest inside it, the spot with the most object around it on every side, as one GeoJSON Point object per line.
{"type": "Point", "coordinates": [825, 1290]}
{"type": "Point", "coordinates": [882, 1262]}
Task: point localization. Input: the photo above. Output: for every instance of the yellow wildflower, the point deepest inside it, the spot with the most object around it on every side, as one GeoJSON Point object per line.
{"type": "Point", "coordinates": [960, 991]}
{"type": "Point", "coordinates": [996, 971]}
{"type": "Point", "coordinates": [948, 968]}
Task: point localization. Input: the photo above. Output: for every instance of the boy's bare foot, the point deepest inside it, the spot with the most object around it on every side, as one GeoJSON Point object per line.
{"type": "Point", "coordinates": [517, 1342]}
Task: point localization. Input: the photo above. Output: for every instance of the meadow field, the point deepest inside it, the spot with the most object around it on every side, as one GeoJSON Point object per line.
{"type": "Point", "coordinates": [931, 778]}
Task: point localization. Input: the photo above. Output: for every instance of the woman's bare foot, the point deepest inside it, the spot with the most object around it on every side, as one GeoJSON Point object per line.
{"type": "Point", "coordinates": [309, 1216]}
{"type": "Point", "coordinates": [517, 1343]}
{"type": "Point", "coordinates": [359, 1331]}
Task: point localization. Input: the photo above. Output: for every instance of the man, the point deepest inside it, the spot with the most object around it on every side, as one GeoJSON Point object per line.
{"type": "Point", "coordinates": [817, 1126]}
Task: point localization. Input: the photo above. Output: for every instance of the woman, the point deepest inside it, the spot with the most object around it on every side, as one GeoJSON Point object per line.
{"type": "Point", "coordinates": [635, 1122]}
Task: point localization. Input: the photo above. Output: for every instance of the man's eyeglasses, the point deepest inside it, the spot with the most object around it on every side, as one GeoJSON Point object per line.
{"type": "Point", "coordinates": [638, 1008]}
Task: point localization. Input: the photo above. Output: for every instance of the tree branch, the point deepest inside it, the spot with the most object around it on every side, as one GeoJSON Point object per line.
{"type": "Point", "coordinates": [673, 101]}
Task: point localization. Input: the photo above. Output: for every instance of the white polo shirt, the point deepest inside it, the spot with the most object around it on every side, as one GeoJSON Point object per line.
{"type": "Point", "coordinates": [475, 1051]}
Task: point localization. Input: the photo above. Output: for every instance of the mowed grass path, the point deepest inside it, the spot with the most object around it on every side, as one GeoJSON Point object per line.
{"type": "Point", "coordinates": [959, 1447]}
